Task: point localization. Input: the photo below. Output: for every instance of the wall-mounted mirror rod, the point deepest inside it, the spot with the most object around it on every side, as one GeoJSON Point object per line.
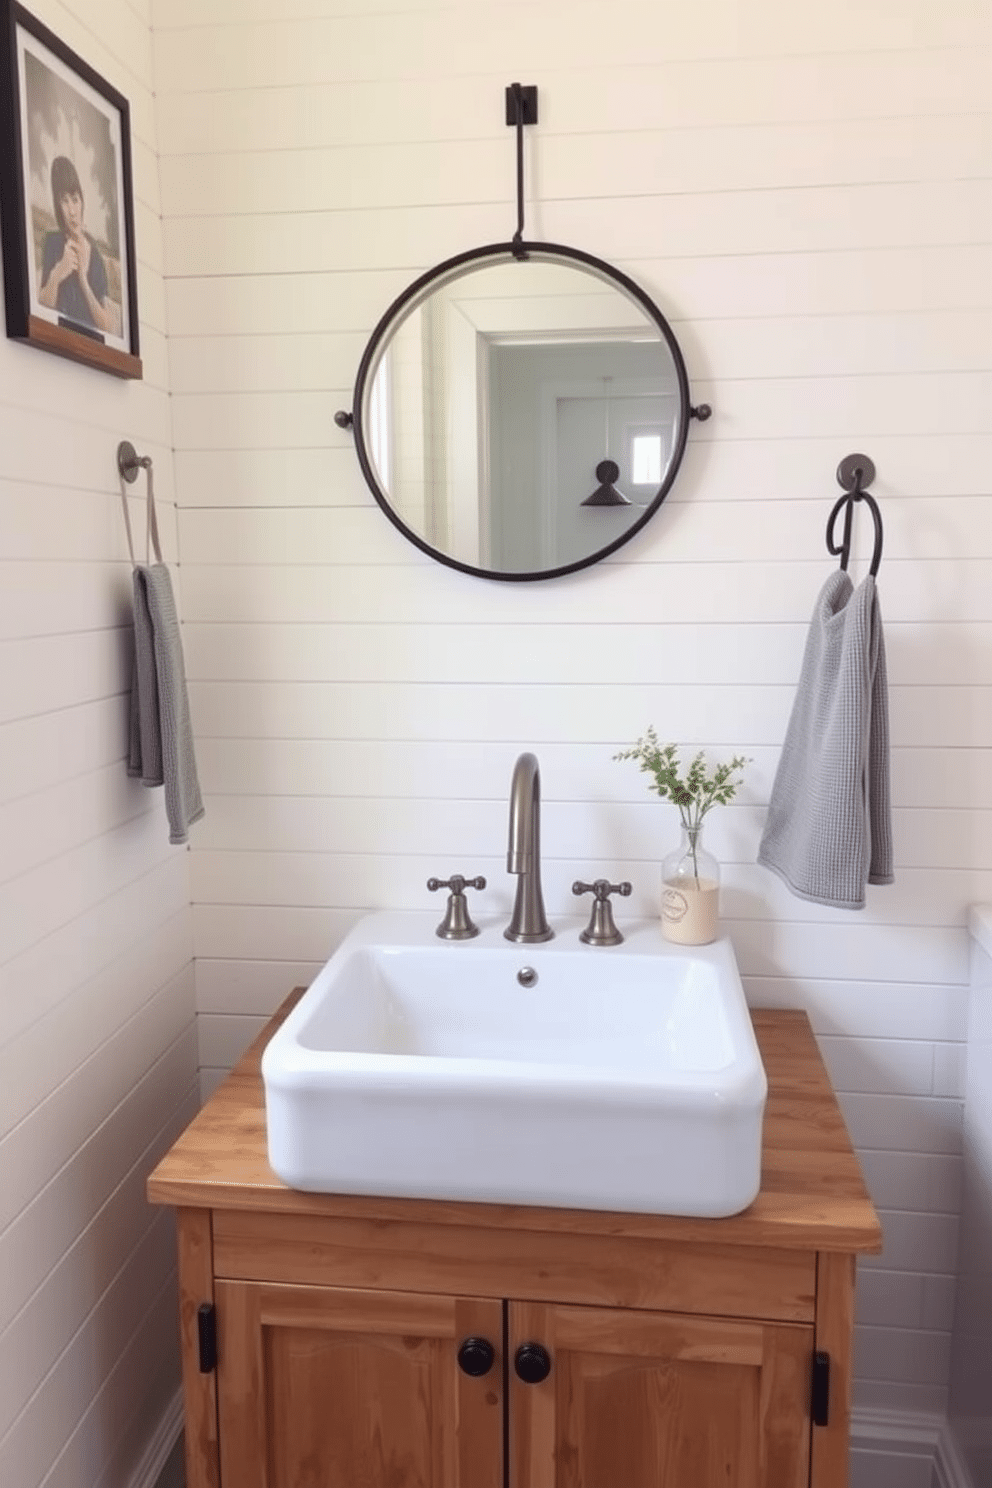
{"type": "Point", "coordinates": [521, 109]}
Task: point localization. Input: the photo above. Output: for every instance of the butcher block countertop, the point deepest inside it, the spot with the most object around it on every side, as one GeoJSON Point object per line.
{"type": "Point", "coordinates": [812, 1194]}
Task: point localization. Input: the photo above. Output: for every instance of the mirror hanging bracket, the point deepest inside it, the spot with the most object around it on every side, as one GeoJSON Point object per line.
{"type": "Point", "coordinates": [521, 109]}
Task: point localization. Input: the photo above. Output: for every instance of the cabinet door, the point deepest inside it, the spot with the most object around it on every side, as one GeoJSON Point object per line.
{"type": "Point", "coordinates": [355, 1389]}
{"type": "Point", "coordinates": [649, 1398]}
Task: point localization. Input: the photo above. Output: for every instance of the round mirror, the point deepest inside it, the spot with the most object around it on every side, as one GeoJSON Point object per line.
{"type": "Point", "coordinates": [521, 411]}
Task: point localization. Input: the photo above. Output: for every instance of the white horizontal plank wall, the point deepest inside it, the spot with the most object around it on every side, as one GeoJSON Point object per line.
{"type": "Point", "coordinates": [97, 1005]}
{"type": "Point", "coordinates": [968, 1438]}
{"type": "Point", "coordinates": [804, 191]}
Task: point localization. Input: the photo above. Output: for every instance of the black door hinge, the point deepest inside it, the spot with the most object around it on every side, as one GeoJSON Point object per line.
{"type": "Point", "coordinates": [820, 1403]}
{"type": "Point", "coordinates": [206, 1329]}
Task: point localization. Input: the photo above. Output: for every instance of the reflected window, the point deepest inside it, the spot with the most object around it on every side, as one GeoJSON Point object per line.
{"type": "Point", "coordinates": [645, 459]}
{"type": "Point", "coordinates": [380, 440]}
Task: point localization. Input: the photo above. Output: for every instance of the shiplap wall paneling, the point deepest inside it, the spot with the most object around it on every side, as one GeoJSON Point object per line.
{"type": "Point", "coordinates": [97, 1001]}
{"type": "Point", "coordinates": [805, 194]}
{"type": "Point", "coordinates": [968, 1433]}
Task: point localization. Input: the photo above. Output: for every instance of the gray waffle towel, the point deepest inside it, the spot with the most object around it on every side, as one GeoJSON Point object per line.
{"type": "Point", "coordinates": [160, 744]}
{"type": "Point", "coordinates": [829, 826]}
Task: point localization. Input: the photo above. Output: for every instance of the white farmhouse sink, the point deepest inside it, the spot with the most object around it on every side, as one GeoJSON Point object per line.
{"type": "Point", "coordinates": [626, 1077]}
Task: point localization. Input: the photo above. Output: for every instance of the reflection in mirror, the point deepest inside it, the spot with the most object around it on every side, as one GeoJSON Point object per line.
{"type": "Point", "coordinates": [519, 417]}
{"type": "Point", "coordinates": [556, 413]}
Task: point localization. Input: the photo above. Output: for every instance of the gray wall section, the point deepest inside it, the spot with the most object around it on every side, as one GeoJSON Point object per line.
{"type": "Point", "coordinates": [970, 1409]}
{"type": "Point", "coordinates": [173, 1474]}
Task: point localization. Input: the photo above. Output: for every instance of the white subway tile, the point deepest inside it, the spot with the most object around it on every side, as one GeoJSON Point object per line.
{"type": "Point", "coordinates": [949, 1069]}
{"type": "Point", "coordinates": [870, 1009]}
{"type": "Point", "coordinates": [915, 1358]}
{"type": "Point", "coordinates": [223, 1038]}
{"type": "Point", "coordinates": [252, 986]}
{"type": "Point", "coordinates": [922, 1182]}
{"type": "Point", "coordinates": [939, 1294]}
{"type": "Point", "coordinates": [890, 1299]}
{"type": "Point", "coordinates": [895, 1395]}
{"type": "Point", "coordinates": [878, 1066]}
{"type": "Point", "coordinates": [887, 1469]}
{"type": "Point", "coordinates": [916, 1242]}
{"type": "Point", "coordinates": [903, 1123]}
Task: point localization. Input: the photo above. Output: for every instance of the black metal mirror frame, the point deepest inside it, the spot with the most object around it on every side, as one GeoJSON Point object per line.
{"type": "Point", "coordinates": [519, 250]}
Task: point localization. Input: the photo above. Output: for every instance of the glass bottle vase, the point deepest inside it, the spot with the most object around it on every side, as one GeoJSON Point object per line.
{"type": "Point", "coordinates": [690, 892]}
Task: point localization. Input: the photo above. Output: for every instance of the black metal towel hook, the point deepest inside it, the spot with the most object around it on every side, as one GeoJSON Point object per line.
{"type": "Point", "coordinates": [854, 473]}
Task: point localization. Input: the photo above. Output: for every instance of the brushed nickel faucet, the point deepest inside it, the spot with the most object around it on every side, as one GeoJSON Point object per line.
{"type": "Point", "coordinates": [523, 853]}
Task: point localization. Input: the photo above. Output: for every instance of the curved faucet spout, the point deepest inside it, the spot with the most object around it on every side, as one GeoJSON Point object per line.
{"type": "Point", "coordinates": [523, 853]}
{"type": "Point", "coordinates": [525, 816]}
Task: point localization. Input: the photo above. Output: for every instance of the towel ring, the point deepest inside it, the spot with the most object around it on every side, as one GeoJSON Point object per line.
{"type": "Point", "coordinates": [854, 473]}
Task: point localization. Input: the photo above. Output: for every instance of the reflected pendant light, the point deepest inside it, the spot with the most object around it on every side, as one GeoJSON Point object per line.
{"type": "Point", "coordinates": [606, 493]}
{"type": "Point", "coordinates": [607, 471]}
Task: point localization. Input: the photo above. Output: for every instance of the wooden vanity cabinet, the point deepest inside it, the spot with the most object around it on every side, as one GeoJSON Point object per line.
{"type": "Point", "coordinates": [344, 1386]}
{"type": "Point", "coordinates": [321, 1334]}
{"type": "Point", "coordinates": [642, 1398]}
{"type": "Point", "coordinates": [366, 1385]}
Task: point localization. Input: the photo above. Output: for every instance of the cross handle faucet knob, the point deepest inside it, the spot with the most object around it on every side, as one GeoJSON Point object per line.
{"type": "Point", "coordinates": [601, 929]}
{"type": "Point", "coordinates": [457, 923]}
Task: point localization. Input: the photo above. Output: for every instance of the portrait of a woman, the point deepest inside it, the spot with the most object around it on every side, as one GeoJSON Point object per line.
{"type": "Point", "coordinates": [73, 273]}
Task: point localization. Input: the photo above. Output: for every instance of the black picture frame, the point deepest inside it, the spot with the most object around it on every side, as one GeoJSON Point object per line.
{"type": "Point", "coordinates": [66, 201]}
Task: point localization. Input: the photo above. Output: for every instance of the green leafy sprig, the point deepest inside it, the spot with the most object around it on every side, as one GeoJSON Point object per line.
{"type": "Point", "coordinates": [695, 791]}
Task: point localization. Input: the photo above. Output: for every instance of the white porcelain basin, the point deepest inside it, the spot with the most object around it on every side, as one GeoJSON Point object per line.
{"type": "Point", "coordinates": [626, 1077]}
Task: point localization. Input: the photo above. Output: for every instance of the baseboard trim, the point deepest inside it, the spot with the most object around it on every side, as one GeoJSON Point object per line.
{"type": "Point", "coordinates": [164, 1438]}
{"type": "Point", "coordinates": [948, 1464]}
{"type": "Point", "coordinates": [910, 1433]}
{"type": "Point", "coordinates": [903, 1433]}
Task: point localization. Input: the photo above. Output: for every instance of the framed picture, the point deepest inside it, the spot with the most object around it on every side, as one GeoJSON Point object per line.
{"type": "Point", "coordinates": [66, 206]}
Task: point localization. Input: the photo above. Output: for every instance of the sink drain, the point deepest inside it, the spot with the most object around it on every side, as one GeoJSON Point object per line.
{"type": "Point", "coordinates": [527, 976]}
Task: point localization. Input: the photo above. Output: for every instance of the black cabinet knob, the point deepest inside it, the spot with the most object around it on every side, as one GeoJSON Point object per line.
{"type": "Point", "coordinates": [476, 1356]}
{"type": "Point", "coordinates": [532, 1363]}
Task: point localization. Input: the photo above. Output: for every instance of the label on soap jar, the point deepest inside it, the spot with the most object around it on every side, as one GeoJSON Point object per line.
{"type": "Point", "coordinates": [674, 905]}
{"type": "Point", "coordinates": [690, 916]}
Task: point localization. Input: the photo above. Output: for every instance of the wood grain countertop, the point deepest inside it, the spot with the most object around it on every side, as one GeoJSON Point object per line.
{"type": "Point", "coordinates": [812, 1195]}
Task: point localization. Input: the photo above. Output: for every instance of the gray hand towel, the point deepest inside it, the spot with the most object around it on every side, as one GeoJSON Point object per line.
{"type": "Point", "coordinates": [829, 826]}
{"type": "Point", "coordinates": [161, 736]}
{"type": "Point", "coordinates": [145, 742]}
